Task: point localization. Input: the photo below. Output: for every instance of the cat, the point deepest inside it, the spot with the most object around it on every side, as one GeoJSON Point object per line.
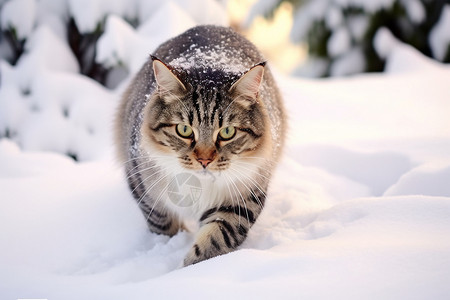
{"type": "Point", "coordinates": [204, 111]}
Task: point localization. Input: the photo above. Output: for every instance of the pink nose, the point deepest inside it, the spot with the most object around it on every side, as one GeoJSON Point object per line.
{"type": "Point", "coordinates": [205, 156]}
{"type": "Point", "coordinates": [204, 162]}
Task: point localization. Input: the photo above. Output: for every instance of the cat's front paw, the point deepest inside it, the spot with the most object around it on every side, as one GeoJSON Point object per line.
{"type": "Point", "coordinates": [215, 238]}
{"type": "Point", "coordinates": [193, 256]}
{"type": "Point", "coordinates": [197, 254]}
{"type": "Point", "coordinates": [205, 247]}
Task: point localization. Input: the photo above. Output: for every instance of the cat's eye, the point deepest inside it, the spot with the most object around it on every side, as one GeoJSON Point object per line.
{"type": "Point", "coordinates": [185, 131]}
{"type": "Point", "coordinates": [227, 133]}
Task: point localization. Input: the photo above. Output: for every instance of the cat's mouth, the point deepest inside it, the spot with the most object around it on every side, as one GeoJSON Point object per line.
{"type": "Point", "coordinates": [205, 173]}
{"type": "Point", "coordinates": [204, 166]}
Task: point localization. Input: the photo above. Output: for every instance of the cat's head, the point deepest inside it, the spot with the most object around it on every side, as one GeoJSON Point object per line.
{"type": "Point", "coordinates": [211, 123]}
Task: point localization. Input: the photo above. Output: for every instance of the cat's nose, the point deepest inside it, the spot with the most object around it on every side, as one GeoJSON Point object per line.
{"type": "Point", "coordinates": [205, 156]}
{"type": "Point", "coordinates": [204, 162]}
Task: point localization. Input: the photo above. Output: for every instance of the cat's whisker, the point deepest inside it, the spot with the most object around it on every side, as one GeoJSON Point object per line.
{"type": "Point", "coordinates": [256, 172]}
{"type": "Point", "coordinates": [147, 156]}
{"type": "Point", "coordinates": [138, 165]}
{"type": "Point", "coordinates": [159, 198]}
{"type": "Point", "coordinates": [140, 171]}
{"type": "Point", "coordinates": [249, 188]}
{"type": "Point", "coordinates": [152, 186]}
{"type": "Point", "coordinates": [242, 199]}
{"type": "Point", "coordinates": [234, 188]}
{"type": "Point", "coordinates": [268, 162]}
{"type": "Point", "coordinates": [228, 180]}
{"type": "Point", "coordinates": [258, 157]}
{"type": "Point", "coordinates": [252, 181]}
{"type": "Point", "coordinates": [264, 161]}
{"type": "Point", "coordinates": [148, 160]}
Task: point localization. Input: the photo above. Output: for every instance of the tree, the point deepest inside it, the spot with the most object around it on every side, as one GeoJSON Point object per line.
{"type": "Point", "coordinates": [340, 34]}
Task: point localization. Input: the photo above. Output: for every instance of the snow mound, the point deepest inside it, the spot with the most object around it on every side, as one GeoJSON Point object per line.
{"type": "Point", "coordinates": [19, 15]}
{"type": "Point", "coordinates": [429, 179]}
{"type": "Point", "coordinates": [177, 19]}
{"type": "Point", "coordinates": [378, 171]}
{"type": "Point", "coordinates": [120, 45]}
{"type": "Point", "coordinates": [399, 56]}
{"type": "Point", "coordinates": [89, 14]}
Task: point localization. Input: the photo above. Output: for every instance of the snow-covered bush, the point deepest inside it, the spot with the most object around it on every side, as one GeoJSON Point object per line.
{"type": "Point", "coordinates": [64, 64]}
{"type": "Point", "coordinates": [340, 33]}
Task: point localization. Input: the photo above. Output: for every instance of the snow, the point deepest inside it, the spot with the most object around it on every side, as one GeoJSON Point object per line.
{"type": "Point", "coordinates": [326, 17]}
{"type": "Point", "coordinates": [89, 14]}
{"type": "Point", "coordinates": [339, 42]}
{"type": "Point", "coordinates": [123, 46]}
{"type": "Point", "coordinates": [305, 17]}
{"type": "Point", "coordinates": [358, 208]}
{"type": "Point", "coordinates": [312, 67]}
{"type": "Point", "coordinates": [120, 45]}
{"type": "Point", "coordinates": [201, 11]}
{"type": "Point", "coordinates": [177, 19]}
{"type": "Point", "coordinates": [46, 50]}
{"type": "Point", "coordinates": [93, 241]}
{"type": "Point", "coordinates": [47, 106]}
{"type": "Point", "coordinates": [260, 8]}
{"type": "Point", "coordinates": [401, 54]}
{"type": "Point", "coordinates": [354, 165]}
{"type": "Point", "coordinates": [334, 17]}
{"type": "Point", "coordinates": [348, 63]}
{"type": "Point", "coordinates": [429, 179]}
{"type": "Point", "coordinates": [370, 6]}
{"type": "Point", "coordinates": [357, 26]}
{"type": "Point", "coordinates": [384, 42]}
{"type": "Point", "coordinates": [415, 10]}
{"type": "Point", "coordinates": [440, 34]}
{"type": "Point", "coordinates": [329, 10]}
{"type": "Point", "coordinates": [20, 15]}
{"type": "Point", "coordinates": [205, 11]}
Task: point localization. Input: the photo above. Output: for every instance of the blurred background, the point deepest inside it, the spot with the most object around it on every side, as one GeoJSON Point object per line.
{"type": "Point", "coordinates": [312, 38]}
{"type": "Point", "coordinates": [319, 38]}
{"type": "Point", "coordinates": [65, 63]}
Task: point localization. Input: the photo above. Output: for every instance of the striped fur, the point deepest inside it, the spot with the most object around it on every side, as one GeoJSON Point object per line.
{"type": "Point", "coordinates": [208, 78]}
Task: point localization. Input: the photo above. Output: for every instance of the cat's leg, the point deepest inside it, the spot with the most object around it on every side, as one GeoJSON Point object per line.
{"type": "Point", "coordinates": [224, 228]}
{"type": "Point", "coordinates": [159, 220]}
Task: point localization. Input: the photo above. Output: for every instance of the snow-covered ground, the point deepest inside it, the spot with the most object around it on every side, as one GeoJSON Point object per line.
{"type": "Point", "coordinates": [359, 208]}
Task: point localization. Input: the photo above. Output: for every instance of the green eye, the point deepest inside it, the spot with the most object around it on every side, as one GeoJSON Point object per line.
{"type": "Point", "coordinates": [185, 131]}
{"type": "Point", "coordinates": [227, 133]}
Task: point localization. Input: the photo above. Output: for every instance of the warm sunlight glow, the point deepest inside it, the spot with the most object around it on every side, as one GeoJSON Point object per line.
{"type": "Point", "coordinates": [238, 10]}
{"type": "Point", "coordinates": [270, 36]}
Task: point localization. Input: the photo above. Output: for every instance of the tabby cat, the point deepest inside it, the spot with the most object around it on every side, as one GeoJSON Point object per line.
{"type": "Point", "coordinates": [203, 111]}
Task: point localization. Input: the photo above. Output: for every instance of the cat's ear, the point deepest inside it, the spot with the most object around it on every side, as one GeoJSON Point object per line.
{"type": "Point", "coordinates": [167, 81]}
{"type": "Point", "coordinates": [247, 87]}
